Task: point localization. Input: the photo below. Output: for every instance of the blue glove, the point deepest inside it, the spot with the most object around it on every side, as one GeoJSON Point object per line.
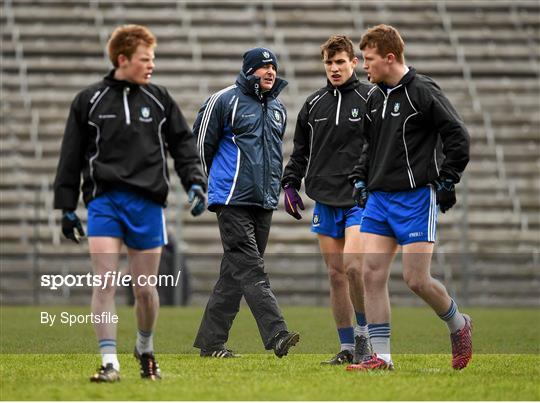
{"type": "Point", "coordinates": [71, 226]}
{"type": "Point", "coordinates": [197, 198]}
{"type": "Point", "coordinates": [360, 193]}
{"type": "Point", "coordinates": [446, 193]}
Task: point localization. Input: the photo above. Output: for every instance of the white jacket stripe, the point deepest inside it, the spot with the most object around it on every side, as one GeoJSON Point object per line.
{"type": "Point", "coordinates": [204, 123]}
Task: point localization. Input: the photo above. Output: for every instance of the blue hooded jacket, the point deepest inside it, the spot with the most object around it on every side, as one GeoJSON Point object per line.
{"type": "Point", "coordinates": [239, 134]}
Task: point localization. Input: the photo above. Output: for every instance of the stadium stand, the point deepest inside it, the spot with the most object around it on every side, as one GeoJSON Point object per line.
{"type": "Point", "coordinates": [485, 55]}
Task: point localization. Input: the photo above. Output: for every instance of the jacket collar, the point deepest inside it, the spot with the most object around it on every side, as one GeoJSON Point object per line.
{"type": "Point", "coordinates": [406, 79]}
{"type": "Point", "coordinates": [348, 85]}
{"type": "Point", "coordinates": [113, 82]}
{"type": "Point", "coordinates": [250, 85]}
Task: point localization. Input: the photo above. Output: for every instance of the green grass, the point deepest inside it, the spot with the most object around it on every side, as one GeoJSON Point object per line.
{"type": "Point", "coordinates": [505, 366]}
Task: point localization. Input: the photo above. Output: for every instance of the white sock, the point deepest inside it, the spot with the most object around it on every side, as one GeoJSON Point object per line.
{"type": "Point", "coordinates": [347, 346]}
{"type": "Point", "coordinates": [385, 357]}
{"type": "Point", "coordinates": [453, 318]}
{"type": "Point", "coordinates": [379, 336]}
{"type": "Point", "coordinates": [361, 331]}
{"type": "Point", "coordinates": [145, 341]}
{"type": "Point", "coordinates": [107, 348]}
{"type": "Point", "coordinates": [110, 359]}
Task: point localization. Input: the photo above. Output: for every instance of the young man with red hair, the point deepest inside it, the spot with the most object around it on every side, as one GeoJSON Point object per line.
{"type": "Point", "coordinates": [417, 150]}
{"type": "Point", "coordinates": [117, 136]}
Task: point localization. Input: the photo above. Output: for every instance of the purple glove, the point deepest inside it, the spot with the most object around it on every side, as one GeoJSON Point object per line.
{"type": "Point", "coordinates": [293, 201]}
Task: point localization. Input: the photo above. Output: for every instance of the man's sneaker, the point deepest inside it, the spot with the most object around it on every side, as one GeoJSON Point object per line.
{"type": "Point", "coordinates": [149, 366]}
{"type": "Point", "coordinates": [284, 341]}
{"type": "Point", "coordinates": [219, 353]}
{"type": "Point", "coordinates": [462, 345]}
{"type": "Point", "coordinates": [362, 349]}
{"type": "Point", "coordinates": [343, 357]}
{"type": "Point", "coordinates": [106, 374]}
{"type": "Point", "coordinates": [373, 363]}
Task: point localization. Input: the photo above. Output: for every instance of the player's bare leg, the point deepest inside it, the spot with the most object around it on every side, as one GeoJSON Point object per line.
{"type": "Point", "coordinates": [332, 251]}
{"type": "Point", "coordinates": [342, 308]}
{"type": "Point", "coordinates": [352, 260]}
{"type": "Point", "coordinates": [417, 275]}
{"type": "Point", "coordinates": [144, 265]}
{"type": "Point", "coordinates": [379, 251]}
{"type": "Point", "coordinates": [104, 253]}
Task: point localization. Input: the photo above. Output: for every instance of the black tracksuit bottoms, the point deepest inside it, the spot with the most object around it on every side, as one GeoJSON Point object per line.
{"type": "Point", "coordinates": [244, 233]}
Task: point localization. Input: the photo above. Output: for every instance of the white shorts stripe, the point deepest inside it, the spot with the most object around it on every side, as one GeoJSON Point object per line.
{"type": "Point", "coordinates": [165, 239]}
{"type": "Point", "coordinates": [432, 219]}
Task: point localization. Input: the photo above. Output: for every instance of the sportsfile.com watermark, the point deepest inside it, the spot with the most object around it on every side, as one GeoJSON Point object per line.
{"type": "Point", "coordinates": [101, 281]}
{"type": "Point", "coordinates": [109, 279]}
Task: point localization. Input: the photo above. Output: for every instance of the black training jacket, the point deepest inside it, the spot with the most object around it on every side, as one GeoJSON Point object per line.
{"type": "Point", "coordinates": [328, 141]}
{"type": "Point", "coordinates": [414, 135]}
{"type": "Point", "coordinates": [118, 135]}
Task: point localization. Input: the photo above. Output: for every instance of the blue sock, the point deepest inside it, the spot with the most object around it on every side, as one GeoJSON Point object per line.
{"type": "Point", "coordinates": [361, 318]}
{"type": "Point", "coordinates": [346, 338]}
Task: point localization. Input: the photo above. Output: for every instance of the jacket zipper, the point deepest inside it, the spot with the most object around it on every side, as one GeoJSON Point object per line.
{"type": "Point", "coordinates": [386, 96]}
{"type": "Point", "coordinates": [126, 106]}
{"type": "Point", "coordinates": [266, 159]}
{"type": "Point", "coordinates": [338, 105]}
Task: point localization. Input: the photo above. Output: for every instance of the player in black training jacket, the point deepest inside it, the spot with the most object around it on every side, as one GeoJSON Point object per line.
{"type": "Point", "coordinates": [327, 142]}
{"type": "Point", "coordinates": [117, 136]}
{"type": "Point", "coordinates": [417, 149]}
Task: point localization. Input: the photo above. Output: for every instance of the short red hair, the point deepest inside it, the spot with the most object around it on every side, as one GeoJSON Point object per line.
{"type": "Point", "coordinates": [126, 38]}
{"type": "Point", "coordinates": [386, 39]}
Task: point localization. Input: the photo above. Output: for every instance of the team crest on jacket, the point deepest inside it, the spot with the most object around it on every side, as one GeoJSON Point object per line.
{"type": "Point", "coordinates": [145, 114]}
{"type": "Point", "coordinates": [396, 109]}
{"type": "Point", "coordinates": [354, 112]}
{"type": "Point", "coordinates": [277, 116]}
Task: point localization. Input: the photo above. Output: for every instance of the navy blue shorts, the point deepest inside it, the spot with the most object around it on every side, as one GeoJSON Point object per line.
{"type": "Point", "coordinates": [332, 221]}
{"type": "Point", "coordinates": [409, 216]}
{"type": "Point", "coordinates": [139, 222]}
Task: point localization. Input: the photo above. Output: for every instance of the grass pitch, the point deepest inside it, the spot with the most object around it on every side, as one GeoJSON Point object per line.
{"type": "Point", "coordinates": [53, 363]}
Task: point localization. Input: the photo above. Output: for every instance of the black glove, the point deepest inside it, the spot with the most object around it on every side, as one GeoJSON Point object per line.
{"type": "Point", "coordinates": [446, 193]}
{"type": "Point", "coordinates": [197, 198]}
{"type": "Point", "coordinates": [360, 193]}
{"type": "Point", "coordinates": [71, 226]}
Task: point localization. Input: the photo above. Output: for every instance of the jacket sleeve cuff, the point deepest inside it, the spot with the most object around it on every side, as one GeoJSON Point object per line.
{"type": "Point", "coordinates": [65, 199]}
{"type": "Point", "coordinates": [291, 181]}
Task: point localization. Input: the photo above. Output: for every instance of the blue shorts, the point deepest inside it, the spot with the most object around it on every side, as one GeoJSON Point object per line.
{"type": "Point", "coordinates": [409, 216]}
{"type": "Point", "coordinates": [139, 222]}
{"type": "Point", "coordinates": [332, 221]}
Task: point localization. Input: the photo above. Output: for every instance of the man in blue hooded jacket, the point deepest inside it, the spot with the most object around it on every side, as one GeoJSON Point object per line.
{"type": "Point", "coordinates": [240, 131]}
